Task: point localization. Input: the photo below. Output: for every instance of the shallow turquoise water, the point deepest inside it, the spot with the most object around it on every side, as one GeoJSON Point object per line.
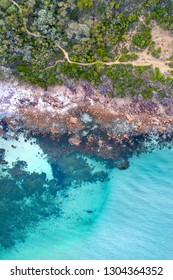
{"type": "Point", "coordinates": [128, 217]}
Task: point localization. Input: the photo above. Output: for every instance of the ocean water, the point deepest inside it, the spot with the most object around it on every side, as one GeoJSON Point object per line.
{"type": "Point", "coordinates": [99, 213]}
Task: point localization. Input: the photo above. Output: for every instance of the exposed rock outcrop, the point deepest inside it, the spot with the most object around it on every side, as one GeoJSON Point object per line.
{"type": "Point", "coordinates": [92, 123]}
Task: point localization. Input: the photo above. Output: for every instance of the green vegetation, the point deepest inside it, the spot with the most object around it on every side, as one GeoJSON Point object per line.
{"type": "Point", "coordinates": [31, 32]}
{"type": "Point", "coordinates": [156, 52]}
{"type": "Point", "coordinates": [143, 37]}
{"type": "Point", "coordinates": [84, 3]}
{"type": "Point", "coordinates": [127, 57]}
{"type": "Point", "coordinates": [170, 64]}
{"type": "Point", "coordinates": [122, 80]}
{"type": "Point", "coordinates": [162, 11]}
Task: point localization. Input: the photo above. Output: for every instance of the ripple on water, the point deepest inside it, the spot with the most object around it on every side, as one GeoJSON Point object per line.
{"type": "Point", "coordinates": [128, 217]}
{"type": "Point", "coordinates": [43, 206]}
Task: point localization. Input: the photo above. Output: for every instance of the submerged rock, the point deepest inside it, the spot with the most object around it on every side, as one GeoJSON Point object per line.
{"type": "Point", "coordinates": [91, 123]}
{"type": "Point", "coordinates": [122, 165]}
{"type": "Point", "coordinates": [3, 162]}
{"type": "Point", "coordinates": [4, 124]}
{"type": "Point", "coordinates": [2, 154]}
{"type": "Point", "coordinates": [57, 173]}
{"type": "Point", "coordinates": [89, 211]}
{"type": "Point", "coordinates": [74, 141]}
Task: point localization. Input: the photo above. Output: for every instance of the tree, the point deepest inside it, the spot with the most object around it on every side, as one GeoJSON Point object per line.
{"type": "Point", "coordinates": [84, 3]}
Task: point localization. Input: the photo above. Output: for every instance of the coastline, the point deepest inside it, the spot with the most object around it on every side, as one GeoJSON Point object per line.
{"type": "Point", "coordinates": [89, 121]}
{"type": "Point", "coordinates": [86, 130]}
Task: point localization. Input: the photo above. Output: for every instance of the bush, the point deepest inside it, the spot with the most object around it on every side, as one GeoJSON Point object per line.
{"type": "Point", "coordinates": [124, 58]}
{"type": "Point", "coordinates": [170, 64]}
{"type": "Point", "coordinates": [143, 38]}
{"type": "Point", "coordinates": [127, 57]}
{"type": "Point", "coordinates": [156, 52]}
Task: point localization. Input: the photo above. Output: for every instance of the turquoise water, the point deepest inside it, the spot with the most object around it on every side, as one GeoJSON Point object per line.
{"type": "Point", "coordinates": [129, 216]}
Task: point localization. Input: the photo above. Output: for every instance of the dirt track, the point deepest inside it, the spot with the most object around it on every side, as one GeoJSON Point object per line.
{"type": "Point", "coordinates": [143, 60]}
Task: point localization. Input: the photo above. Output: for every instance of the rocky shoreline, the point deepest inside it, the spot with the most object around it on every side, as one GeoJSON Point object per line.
{"type": "Point", "coordinates": [88, 121]}
{"type": "Point", "coordinates": [63, 137]}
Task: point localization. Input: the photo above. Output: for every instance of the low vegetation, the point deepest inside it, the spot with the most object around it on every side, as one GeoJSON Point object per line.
{"type": "Point", "coordinates": [31, 32]}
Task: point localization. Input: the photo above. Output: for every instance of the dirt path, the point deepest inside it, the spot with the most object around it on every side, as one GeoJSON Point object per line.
{"type": "Point", "coordinates": [164, 40]}
{"type": "Point", "coordinates": [24, 22]}
{"type": "Point", "coordinates": [144, 58]}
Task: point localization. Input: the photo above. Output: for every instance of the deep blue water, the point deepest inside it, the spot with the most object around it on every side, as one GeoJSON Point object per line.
{"type": "Point", "coordinates": [129, 216]}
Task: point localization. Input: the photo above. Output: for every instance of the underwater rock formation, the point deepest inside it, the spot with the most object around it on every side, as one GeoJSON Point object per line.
{"type": "Point", "coordinates": [69, 128]}
{"type": "Point", "coordinates": [89, 121]}
{"type": "Point", "coordinates": [28, 197]}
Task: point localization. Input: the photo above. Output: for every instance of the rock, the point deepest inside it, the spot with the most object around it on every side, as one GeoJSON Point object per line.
{"type": "Point", "coordinates": [126, 136]}
{"type": "Point", "coordinates": [164, 137]}
{"type": "Point", "coordinates": [3, 162]}
{"type": "Point", "coordinates": [165, 101]}
{"type": "Point", "coordinates": [2, 154]}
{"type": "Point", "coordinates": [90, 138]}
{"type": "Point", "coordinates": [73, 120]}
{"type": "Point", "coordinates": [1, 131]}
{"type": "Point", "coordinates": [74, 141]}
{"type": "Point", "coordinates": [54, 129]}
{"type": "Point", "coordinates": [14, 147]}
{"type": "Point", "coordinates": [4, 124]}
{"type": "Point", "coordinates": [123, 165]}
{"type": "Point", "coordinates": [139, 124]}
{"type": "Point", "coordinates": [89, 211]}
{"type": "Point", "coordinates": [100, 142]}
{"type": "Point", "coordinates": [57, 173]}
